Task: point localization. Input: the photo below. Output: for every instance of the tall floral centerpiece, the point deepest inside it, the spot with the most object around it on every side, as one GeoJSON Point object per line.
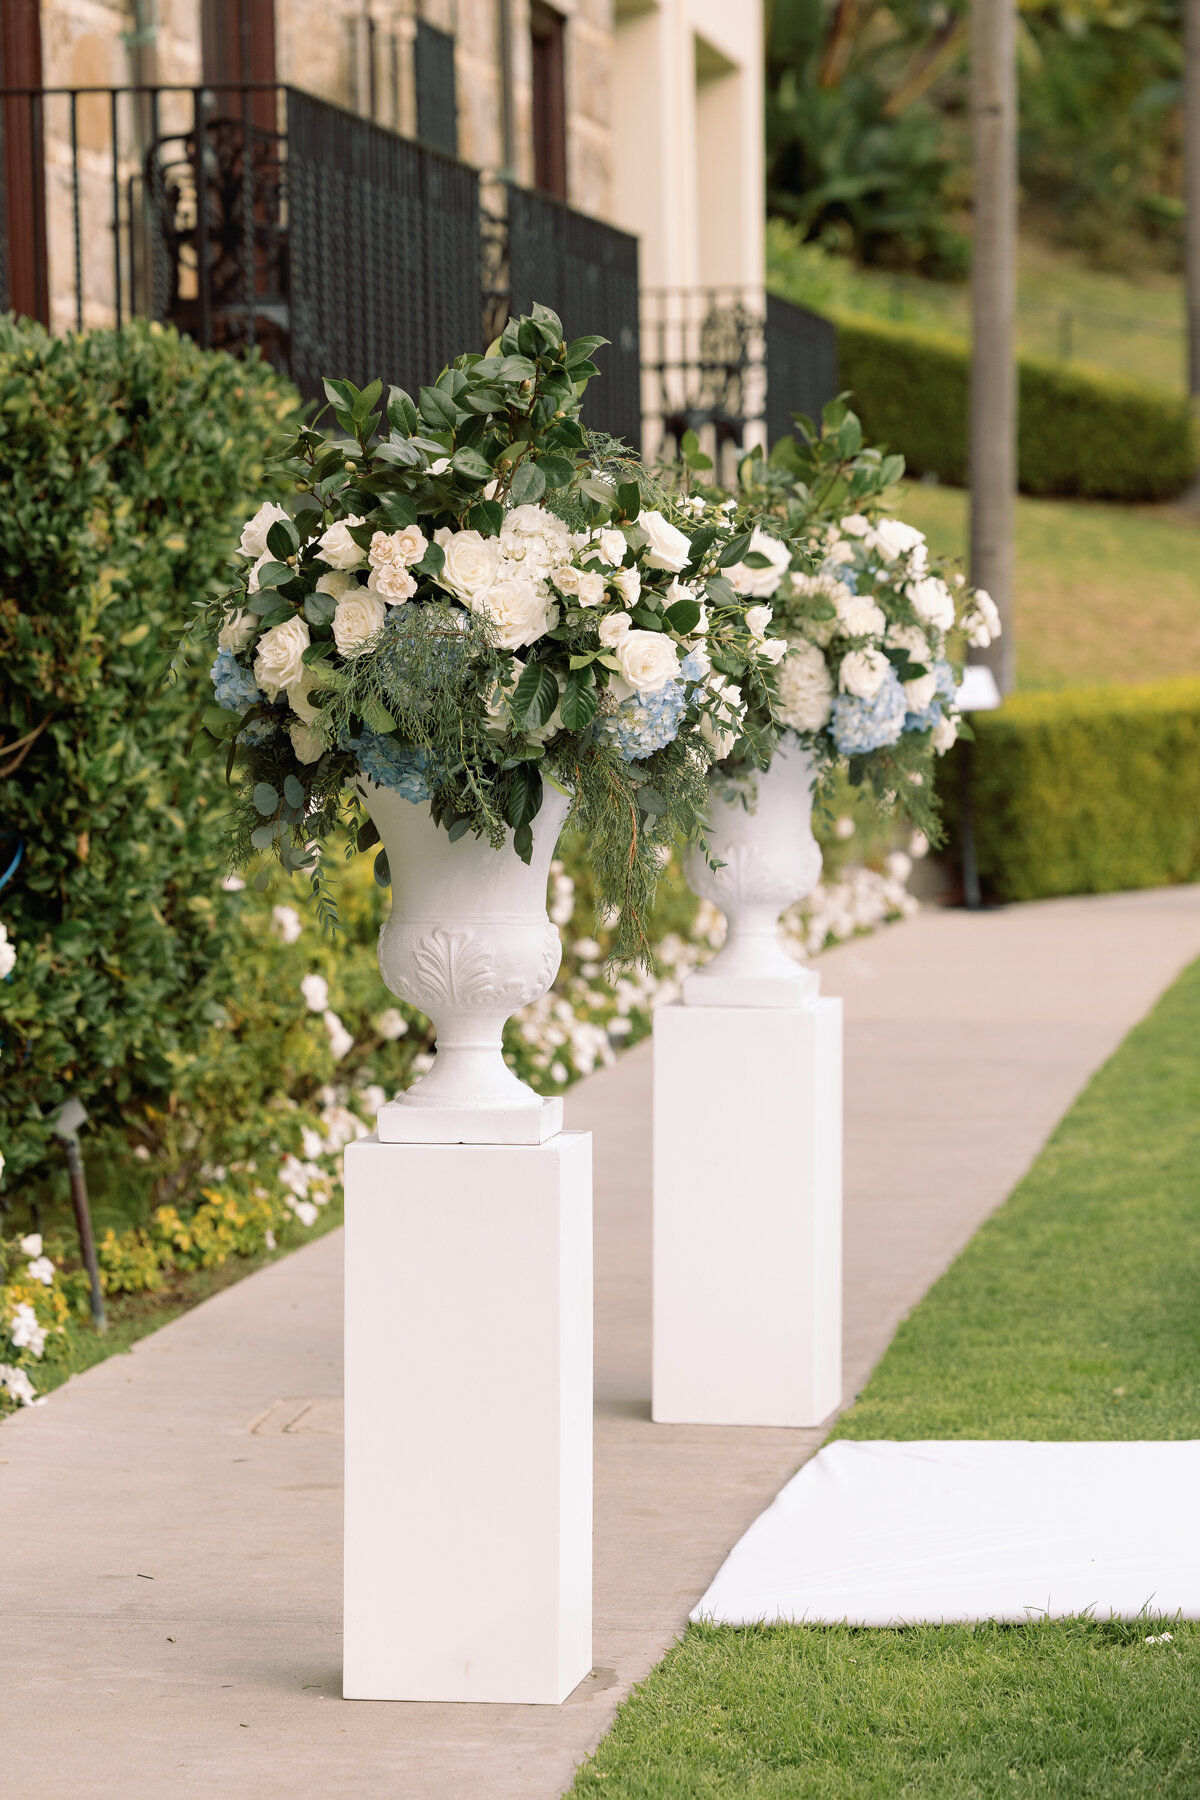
{"type": "Point", "coordinates": [875, 630]}
{"type": "Point", "coordinates": [464, 630]}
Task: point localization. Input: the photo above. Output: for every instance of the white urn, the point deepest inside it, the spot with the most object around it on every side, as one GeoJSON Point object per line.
{"type": "Point", "coordinates": [760, 833]}
{"type": "Point", "coordinates": [468, 940]}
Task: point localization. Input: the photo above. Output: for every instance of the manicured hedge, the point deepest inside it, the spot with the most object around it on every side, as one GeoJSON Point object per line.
{"type": "Point", "coordinates": [129, 458]}
{"type": "Point", "coordinates": [1084, 790]}
{"type": "Point", "coordinates": [1079, 433]}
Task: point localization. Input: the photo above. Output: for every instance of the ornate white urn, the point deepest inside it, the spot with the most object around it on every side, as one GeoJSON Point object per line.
{"type": "Point", "coordinates": [761, 834]}
{"type": "Point", "coordinates": [468, 940]}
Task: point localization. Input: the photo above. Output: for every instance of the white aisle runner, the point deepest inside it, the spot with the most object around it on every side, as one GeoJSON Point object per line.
{"type": "Point", "coordinates": [905, 1533]}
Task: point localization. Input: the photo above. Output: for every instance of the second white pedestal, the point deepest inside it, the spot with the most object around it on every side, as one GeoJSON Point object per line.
{"type": "Point", "coordinates": [747, 1214]}
{"type": "Point", "coordinates": [468, 1420]}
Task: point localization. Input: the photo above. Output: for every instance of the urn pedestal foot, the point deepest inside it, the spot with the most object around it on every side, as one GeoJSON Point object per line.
{"type": "Point", "coordinates": [402, 1121]}
{"type": "Point", "coordinates": [747, 1214]}
{"type": "Point", "coordinates": [468, 1420]}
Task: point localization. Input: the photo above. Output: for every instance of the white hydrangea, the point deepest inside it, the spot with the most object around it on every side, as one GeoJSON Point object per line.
{"type": "Point", "coordinates": [805, 687]}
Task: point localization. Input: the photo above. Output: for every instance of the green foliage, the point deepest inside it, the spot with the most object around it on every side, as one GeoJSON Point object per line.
{"type": "Point", "coordinates": [128, 457]}
{"type": "Point", "coordinates": [1085, 790]}
{"type": "Point", "coordinates": [1078, 433]}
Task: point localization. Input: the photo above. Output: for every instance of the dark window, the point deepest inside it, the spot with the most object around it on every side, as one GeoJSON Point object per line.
{"type": "Point", "coordinates": [23, 283]}
{"type": "Point", "coordinates": [549, 100]}
{"type": "Point", "coordinates": [433, 76]}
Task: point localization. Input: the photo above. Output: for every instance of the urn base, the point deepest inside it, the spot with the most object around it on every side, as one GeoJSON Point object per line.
{"type": "Point", "coordinates": [529, 1122]}
{"type": "Point", "coordinates": [802, 988]}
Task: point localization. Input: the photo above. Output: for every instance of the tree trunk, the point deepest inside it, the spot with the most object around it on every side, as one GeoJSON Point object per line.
{"type": "Point", "coordinates": [993, 424]}
{"type": "Point", "coordinates": [1191, 184]}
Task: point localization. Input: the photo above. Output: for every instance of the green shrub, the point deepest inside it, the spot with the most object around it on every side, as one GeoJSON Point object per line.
{"type": "Point", "coordinates": [1079, 433]}
{"type": "Point", "coordinates": [1084, 791]}
{"type": "Point", "coordinates": [130, 458]}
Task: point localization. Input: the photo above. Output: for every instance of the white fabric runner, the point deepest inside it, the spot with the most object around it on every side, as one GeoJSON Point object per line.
{"type": "Point", "coordinates": [901, 1533]}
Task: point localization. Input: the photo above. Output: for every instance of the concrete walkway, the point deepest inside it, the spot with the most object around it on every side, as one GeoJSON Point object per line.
{"type": "Point", "coordinates": [171, 1521]}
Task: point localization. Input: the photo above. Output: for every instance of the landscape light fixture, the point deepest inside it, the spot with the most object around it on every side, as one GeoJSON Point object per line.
{"type": "Point", "coordinates": [65, 1125]}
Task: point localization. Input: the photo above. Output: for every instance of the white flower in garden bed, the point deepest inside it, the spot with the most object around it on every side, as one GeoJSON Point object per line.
{"type": "Point", "coordinates": [8, 954]}
{"type": "Point", "coordinates": [17, 1385]}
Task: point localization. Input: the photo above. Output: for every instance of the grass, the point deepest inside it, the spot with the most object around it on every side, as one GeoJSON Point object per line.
{"type": "Point", "coordinates": [1130, 327]}
{"type": "Point", "coordinates": [1103, 593]}
{"type": "Point", "coordinates": [1071, 1314]}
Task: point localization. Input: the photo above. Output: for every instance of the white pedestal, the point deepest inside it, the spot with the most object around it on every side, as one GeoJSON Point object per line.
{"type": "Point", "coordinates": [747, 1214]}
{"type": "Point", "coordinates": [468, 1420]}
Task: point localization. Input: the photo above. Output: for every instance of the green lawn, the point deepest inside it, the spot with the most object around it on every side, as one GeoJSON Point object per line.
{"type": "Point", "coordinates": [1073, 1313]}
{"type": "Point", "coordinates": [1128, 326]}
{"type": "Point", "coordinates": [1103, 593]}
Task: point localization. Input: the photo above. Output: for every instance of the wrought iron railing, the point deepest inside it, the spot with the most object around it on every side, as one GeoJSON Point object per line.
{"type": "Point", "coordinates": [248, 215]}
{"type": "Point", "coordinates": [733, 365]}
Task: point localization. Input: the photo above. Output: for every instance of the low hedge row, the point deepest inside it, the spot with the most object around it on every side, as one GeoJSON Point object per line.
{"type": "Point", "coordinates": [1079, 433]}
{"type": "Point", "coordinates": [1084, 790]}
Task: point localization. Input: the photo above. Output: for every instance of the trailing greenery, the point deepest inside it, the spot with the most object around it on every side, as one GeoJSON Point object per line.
{"type": "Point", "coordinates": [128, 458]}
{"type": "Point", "coordinates": [1085, 790]}
{"type": "Point", "coordinates": [1078, 433]}
{"type": "Point", "coordinates": [1071, 1315]}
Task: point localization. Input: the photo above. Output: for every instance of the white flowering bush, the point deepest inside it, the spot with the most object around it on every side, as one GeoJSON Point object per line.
{"type": "Point", "coordinates": [467, 601]}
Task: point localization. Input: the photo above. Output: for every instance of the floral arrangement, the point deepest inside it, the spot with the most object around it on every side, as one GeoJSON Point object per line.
{"type": "Point", "coordinates": [876, 627]}
{"type": "Point", "coordinates": [468, 600]}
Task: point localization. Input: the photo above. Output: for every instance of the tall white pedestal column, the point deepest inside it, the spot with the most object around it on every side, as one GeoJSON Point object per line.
{"type": "Point", "coordinates": [747, 1214]}
{"type": "Point", "coordinates": [468, 1567]}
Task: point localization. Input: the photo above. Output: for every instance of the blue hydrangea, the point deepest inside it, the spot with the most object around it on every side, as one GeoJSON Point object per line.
{"type": "Point", "coordinates": [644, 723]}
{"type": "Point", "coordinates": [259, 731]}
{"type": "Point", "coordinates": [390, 764]}
{"type": "Point", "coordinates": [694, 666]}
{"type": "Point", "coordinates": [946, 690]}
{"type": "Point", "coordinates": [861, 725]}
{"type": "Point", "coordinates": [234, 687]}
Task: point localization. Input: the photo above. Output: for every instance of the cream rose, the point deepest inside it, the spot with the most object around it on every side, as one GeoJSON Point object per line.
{"type": "Point", "coordinates": [667, 547]}
{"type": "Point", "coordinates": [648, 660]}
{"type": "Point", "coordinates": [757, 620]}
{"type": "Point", "coordinates": [591, 587]}
{"type": "Point", "coordinates": [520, 611]}
{"type": "Point", "coordinates": [774, 649]}
{"type": "Point", "coordinates": [945, 734]}
{"type": "Point", "coordinates": [863, 673]}
{"type": "Point", "coordinates": [278, 662]}
{"type": "Point", "coordinates": [472, 562]}
{"type": "Point", "coordinates": [613, 628]}
{"type": "Point", "coordinates": [805, 688]}
{"type": "Point", "coordinates": [933, 602]}
{"type": "Point", "coordinates": [393, 582]}
{"type": "Point", "coordinates": [253, 541]}
{"type": "Point", "coordinates": [859, 616]}
{"type": "Point", "coordinates": [298, 697]}
{"type": "Point", "coordinates": [404, 547]}
{"type": "Point", "coordinates": [628, 583]}
{"type": "Point", "coordinates": [356, 619]}
{"type": "Point", "coordinates": [336, 584]}
{"type": "Point", "coordinates": [338, 548]}
{"type": "Point", "coordinates": [910, 638]}
{"type": "Point", "coordinates": [761, 583]}
{"type": "Point", "coordinates": [919, 692]}
{"type": "Point", "coordinates": [611, 548]}
{"type": "Point", "coordinates": [237, 631]}
{"type": "Point", "coordinates": [307, 741]}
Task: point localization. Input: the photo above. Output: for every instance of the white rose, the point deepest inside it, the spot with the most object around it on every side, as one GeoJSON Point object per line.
{"type": "Point", "coordinates": [520, 611]}
{"type": "Point", "coordinates": [893, 538]}
{"type": "Point", "coordinates": [757, 620]}
{"type": "Point", "coordinates": [472, 562]}
{"type": "Point", "coordinates": [356, 620]}
{"type": "Point", "coordinates": [983, 621]}
{"type": "Point", "coordinates": [278, 661]}
{"type": "Point", "coordinates": [854, 525]}
{"type": "Point", "coordinates": [393, 581]}
{"type": "Point", "coordinates": [805, 688]}
{"type": "Point", "coordinates": [858, 615]}
{"type": "Point", "coordinates": [237, 631]}
{"type": "Point", "coordinates": [945, 733]}
{"type": "Point", "coordinates": [839, 553]}
{"type": "Point", "coordinates": [919, 693]}
{"type": "Point", "coordinates": [307, 741]}
{"type": "Point", "coordinates": [863, 672]}
{"type": "Point", "coordinates": [253, 541]}
{"type": "Point", "coordinates": [567, 581]}
{"type": "Point", "coordinates": [933, 601]}
{"type": "Point", "coordinates": [591, 588]}
{"type": "Point", "coordinates": [722, 733]}
{"type": "Point", "coordinates": [611, 548]}
{"type": "Point", "coordinates": [668, 548]}
{"type": "Point", "coordinates": [910, 638]}
{"type": "Point", "coordinates": [774, 649]}
{"type": "Point", "coordinates": [648, 660]}
{"type": "Point", "coordinates": [338, 548]}
{"type": "Point", "coordinates": [761, 583]}
{"type": "Point", "coordinates": [613, 628]}
{"type": "Point", "coordinates": [298, 698]}
{"type": "Point", "coordinates": [252, 584]}
{"type": "Point", "coordinates": [336, 584]}
{"type": "Point", "coordinates": [628, 583]}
